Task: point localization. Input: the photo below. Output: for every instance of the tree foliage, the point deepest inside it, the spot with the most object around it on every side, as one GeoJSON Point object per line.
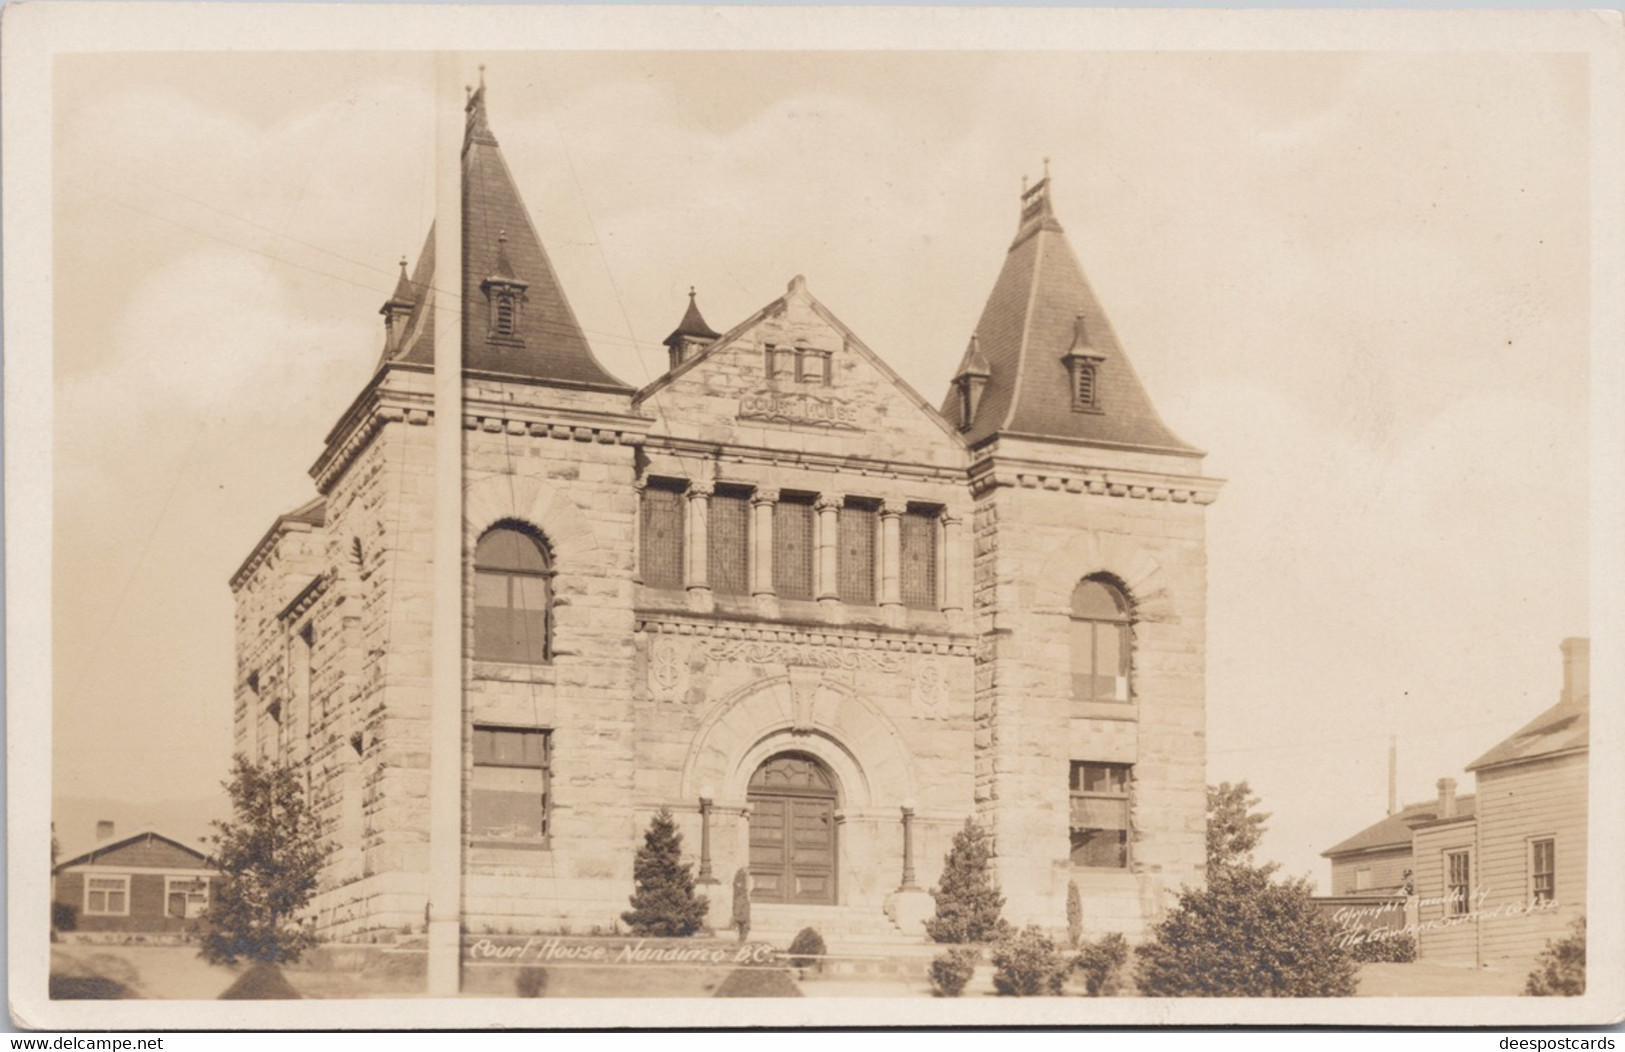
{"type": "Point", "coordinates": [664, 903]}
{"type": "Point", "coordinates": [1245, 935]}
{"type": "Point", "coordinates": [1101, 964]}
{"type": "Point", "coordinates": [952, 969]}
{"type": "Point", "coordinates": [270, 856]}
{"type": "Point", "coordinates": [1233, 828]}
{"type": "Point", "coordinates": [1560, 970]}
{"type": "Point", "coordinates": [968, 902]}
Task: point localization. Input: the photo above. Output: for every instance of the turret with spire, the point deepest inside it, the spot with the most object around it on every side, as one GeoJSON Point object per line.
{"type": "Point", "coordinates": [691, 336]}
{"type": "Point", "coordinates": [397, 310]}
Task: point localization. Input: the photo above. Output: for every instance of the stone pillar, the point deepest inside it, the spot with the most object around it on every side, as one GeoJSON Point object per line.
{"type": "Point", "coordinates": [696, 545]}
{"type": "Point", "coordinates": [639, 485]}
{"type": "Point", "coordinates": [827, 588]}
{"type": "Point", "coordinates": [891, 553]}
{"type": "Point", "coordinates": [761, 542]}
{"type": "Point", "coordinates": [950, 580]}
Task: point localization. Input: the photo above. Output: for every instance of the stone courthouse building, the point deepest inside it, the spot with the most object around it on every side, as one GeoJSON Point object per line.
{"type": "Point", "coordinates": [820, 618]}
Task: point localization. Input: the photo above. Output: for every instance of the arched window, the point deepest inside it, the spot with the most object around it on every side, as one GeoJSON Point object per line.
{"type": "Point", "coordinates": [1100, 642]}
{"type": "Point", "coordinates": [513, 600]}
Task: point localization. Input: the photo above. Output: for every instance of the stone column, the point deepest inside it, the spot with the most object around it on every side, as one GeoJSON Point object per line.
{"type": "Point", "coordinates": [761, 542]}
{"type": "Point", "coordinates": [640, 483]}
{"type": "Point", "coordinates": [891, 553]}
{"type": "Point", "coordinates": [949, 579]}
{"type": "Point", "coordinates": [826, 584]}
{"type": "Point", "coordinates": [696, 542]}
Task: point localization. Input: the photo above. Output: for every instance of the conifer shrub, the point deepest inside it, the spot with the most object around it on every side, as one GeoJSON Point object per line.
{"type": "Point", "coordinates": [968, 902]}
{"type": "Point", "coordinates": [1074, 915]}
{"type": "Point", "coordinates": [1245, 935]}
{"type": "Point", "coordinates": [1028, 964]}
{"type": "Point", "coordinates": [664, 903]}
{"type": "Point", "coordinates": [952, 969]}
{"type": "Point", "coordinates": [1101, 964]}
{"type": "Point", "coordinates": [1560, 970]}
{"type": "Point", "coordinates": [807, 949]}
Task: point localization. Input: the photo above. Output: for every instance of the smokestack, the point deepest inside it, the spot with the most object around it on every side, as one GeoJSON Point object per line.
{"type": "Point", "coordinates": [104, 829]}
{"type": "Point", "coordinates": [1393, 775]}
{"type": "Point", "coordinates": [1447, 798]}
{"type": "Point", "coordinates": [1576, 670]}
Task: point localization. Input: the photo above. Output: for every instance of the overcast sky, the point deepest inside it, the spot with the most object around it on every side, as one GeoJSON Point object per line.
{"type": "Point", "coordinates": [1358, 280]}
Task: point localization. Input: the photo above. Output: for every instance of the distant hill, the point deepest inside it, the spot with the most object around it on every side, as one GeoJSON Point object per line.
{"type": "Point", "coordinates": [185, 820]}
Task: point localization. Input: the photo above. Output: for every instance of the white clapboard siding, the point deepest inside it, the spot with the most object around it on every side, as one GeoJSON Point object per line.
{"type": "Point", "coordinates": [1518, 803]}
{"type": "Point", "coordinates": [1444, 938]}
{"type": "Point", "coordinates": [1387, 871]}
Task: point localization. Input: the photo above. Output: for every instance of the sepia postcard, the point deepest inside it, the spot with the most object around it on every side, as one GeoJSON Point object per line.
{"type": "Point", "coordinates": [522, 516]}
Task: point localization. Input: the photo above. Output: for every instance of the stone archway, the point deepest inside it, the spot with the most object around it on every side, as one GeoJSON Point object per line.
{"type": "Point", "coordinates": [793, 799]}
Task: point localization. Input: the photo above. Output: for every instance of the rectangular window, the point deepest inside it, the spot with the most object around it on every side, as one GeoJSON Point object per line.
{"type": "Point", "coordinates": [509, 788]}
{"type": "Point", "coordinates": [1362, 880]}
{"type": "Point", "coordinates": [1100, 660]}
{"type": "Point", "coordinates": [855, 558]}
{"type": "Point", "coordinates": [510, 617]}
{"type": "Point", "coordinates": [919, 579]}
{"type": "Point", "coordinates": [107, 896]}
{"type": "Point", "coordinates": [185, 897]}
{"type": "Point", "coordinates": [780, 362]}
{"type": "Point", "coordinates": [729, 543]}
{"type": "Point", "coordinates": [1543, 870]}
{"type": "Point", "coordinates": [662, 535]}
{"type": "Point", "coordinates": [1459, 883]}
{"type": "Point", "coordinates": [793, 548]}
{"type": "Point", "coordinates": [1099, 821]}
{"type": "Point", "coordinates": [812, 367]}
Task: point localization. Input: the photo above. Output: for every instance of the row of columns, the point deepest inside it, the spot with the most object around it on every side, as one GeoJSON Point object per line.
{"type": "Point", "coordinates": [826, 563]}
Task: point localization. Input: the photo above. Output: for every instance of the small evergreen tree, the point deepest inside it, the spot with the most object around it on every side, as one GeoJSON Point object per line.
{"type": "Point", "coordinates": [270, 855]}
{"type": "Point", "coordinates": [1028, 964]}
{"type": "Point", "coordinates": [1074, 915]}
{"type": "Point", "coordinates": [968, 902]}
{"type": "Point", "coordinates": [1560, 970]}
{"type": "Point", "coordinates": [664, 902]}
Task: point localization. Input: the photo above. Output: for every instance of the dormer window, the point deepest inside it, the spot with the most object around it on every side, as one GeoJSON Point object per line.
{"type": "Point", "coordinates": [504, 297]}
{"type": "Point", "coordinates": [1083, 365]}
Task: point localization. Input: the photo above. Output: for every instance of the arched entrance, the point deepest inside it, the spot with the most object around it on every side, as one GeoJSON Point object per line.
{"type": "Point", "coordinates": [792, 831]}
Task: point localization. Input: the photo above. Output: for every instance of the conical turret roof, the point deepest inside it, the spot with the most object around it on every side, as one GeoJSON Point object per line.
{"type": "Point", "coordinates": [692, 325]}
{"type": "Point", "coordinates": [502, 252]}
{"type": "Point", "coordinates": [1040, 307]}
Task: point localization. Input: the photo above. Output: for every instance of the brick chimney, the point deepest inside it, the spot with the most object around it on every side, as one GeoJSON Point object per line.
{"type": "Point", "coordinates": [104, 829]}
{"type": "Point", "coordinates": [1577, 670]}
{"type": "Point", "coordinates": [1447, 798]}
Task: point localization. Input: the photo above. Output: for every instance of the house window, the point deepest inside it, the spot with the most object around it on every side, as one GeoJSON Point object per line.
{"type": "Point", "coordinates": [729, 543]}
{"type": "Point", "coordinates": [1362, 879]}
{"type": "Point", "coordinates": [107, 896]}
{"type": "Point", "coordinates": [662, 535]}
{"type": "Point", "coordinates": [780, 362]}
{"type": "Point", "coordinates": [1543, 870]}
{"type": "Point", "coordinates": [1100, 642]}
{"type": "Point", "coordinates": [513, 579]}
{"type": "Point", "coordinates": [1099, 821]}
{"type": "Point", "coordinates": [855, 556]}
{"type": "Point", "coordinates": [509, 791]}
{"type": "Point", "coordinates": [919, 569]}
{"type": "Point", "coordinates": [185, 897]}
{"type": "Point", "coordinates": [1459, 883]}
{"type": "Point", "coordinates": [793, 548]}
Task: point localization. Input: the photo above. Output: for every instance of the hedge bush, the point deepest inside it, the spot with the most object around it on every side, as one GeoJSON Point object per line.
{"type": "Point", "coordinates": [1028, 964]}
{"type": "Point", "coordinates": [807, 949]}
{"type": "Point", "coordinates": [1560, 970]}
{"type": "Point", "coordinates": [1101, 964]}
{"type": "Point", "coordinates": [950, 971]}
{"type": "Point", "coordinates": [1399, 948]}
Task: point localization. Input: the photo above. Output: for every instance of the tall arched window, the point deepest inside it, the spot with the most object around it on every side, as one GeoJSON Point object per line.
{"type": "Point", "coordinates": [513, 600]}
{"type": "Point", "coordinates": [1100, 642]}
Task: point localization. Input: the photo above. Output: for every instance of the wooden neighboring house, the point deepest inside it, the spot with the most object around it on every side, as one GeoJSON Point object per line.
{"type": "Point", "coordinates": [1496, 875]}
{"type": "Point", "coordinates": [1530, 851]}
{"type": "Point", "coordinates": [141, 882]}
{"type": "Point", "coordinates": [1378, 861]}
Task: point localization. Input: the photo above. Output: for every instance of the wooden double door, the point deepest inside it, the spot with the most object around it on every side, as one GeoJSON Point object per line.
{"type": "Point", "coordinates": [792, 831]}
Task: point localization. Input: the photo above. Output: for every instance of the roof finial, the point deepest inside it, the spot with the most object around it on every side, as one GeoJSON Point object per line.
{"type": "Point", "coordinates": [482, 74]}
{"type": "Point", "coordinates": [1046, 165]}
{"type": "Point", "coordinates": [1023, 184]}
{"type": "Point", "coordinates": [691, 292]}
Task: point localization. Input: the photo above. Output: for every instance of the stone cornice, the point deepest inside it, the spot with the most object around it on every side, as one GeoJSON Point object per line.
{"type": "Point", "coordinates": [300, 604]}
{"type": "Point", "coordinates": [380, 403]}
{"type": "Point", "coordinates": [844, 463]}
{"type": "Point", "coordinates": [284, 524]}
{"type": "Point", "coordinates": [833, 637]}
{"type": "Point", "coordinates": [993, 472]}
